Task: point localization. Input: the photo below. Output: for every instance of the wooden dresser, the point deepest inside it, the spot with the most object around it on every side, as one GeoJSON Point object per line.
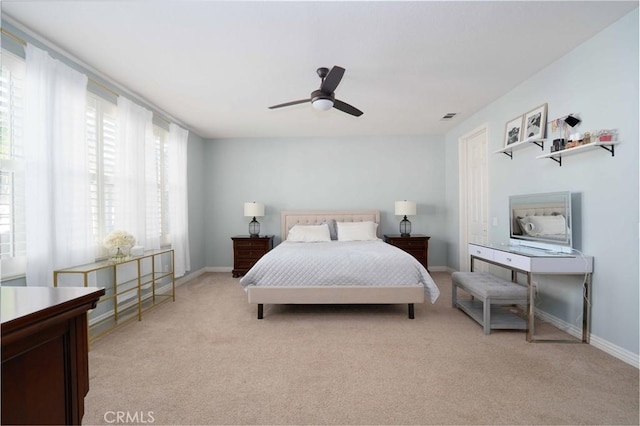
{"type": "Point", "coordinates": [45, 364]}
{"type": "Point", "coordinates": [247, 250]}
{"type": "Point", "coordinates": [416, 245]}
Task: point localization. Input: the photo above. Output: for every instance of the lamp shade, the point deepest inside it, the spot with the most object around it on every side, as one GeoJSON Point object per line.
{"type": "Point", "coordinates": [405, 208]}
{"type": "Point", "coordinates": [253, 209]}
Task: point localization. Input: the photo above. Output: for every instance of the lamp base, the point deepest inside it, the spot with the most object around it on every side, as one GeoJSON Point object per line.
{"type": "Point", "coordinates": [254, 228]}
{"type": "Point", "coordinates": [405, 227]}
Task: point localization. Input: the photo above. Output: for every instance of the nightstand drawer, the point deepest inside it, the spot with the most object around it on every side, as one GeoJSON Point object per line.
{"type": "Point", "coordinates": [251, 243]}
{"type": "Point", "coordinates": [250, 254]}
{"type": "Point", "coordinates": [245, 263]}
{"type": "Point", "coordinates": [408, 244]}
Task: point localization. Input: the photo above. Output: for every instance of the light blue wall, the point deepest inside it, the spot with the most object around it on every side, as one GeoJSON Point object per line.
{"type": "Point", "coordinates": [598, 81]}
{"type": "Point", "coordinates": [323, 174]}
{"type": "Point", "coordinates": [196, 189]}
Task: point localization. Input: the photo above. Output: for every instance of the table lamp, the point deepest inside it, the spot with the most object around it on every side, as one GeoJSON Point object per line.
{"type": "Point", "coordinates": [405, 208]}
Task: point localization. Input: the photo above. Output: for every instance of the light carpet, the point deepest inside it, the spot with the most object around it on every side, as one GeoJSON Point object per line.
{"type": "Point", "coordinates": [205, 359]}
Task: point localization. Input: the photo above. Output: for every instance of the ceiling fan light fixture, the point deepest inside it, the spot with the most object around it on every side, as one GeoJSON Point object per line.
{"type": "Point", "coordinates": [322, 104]}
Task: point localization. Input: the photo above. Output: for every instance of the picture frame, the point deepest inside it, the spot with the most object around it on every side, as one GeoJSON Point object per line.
{"type": "Point", "coordinates": [534, 123]}
{"type": "Point", "coordinates": [513, 131]}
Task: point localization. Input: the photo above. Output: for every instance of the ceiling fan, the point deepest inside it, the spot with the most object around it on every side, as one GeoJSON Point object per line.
{"type": "Point", "coordinates": [324, 98]}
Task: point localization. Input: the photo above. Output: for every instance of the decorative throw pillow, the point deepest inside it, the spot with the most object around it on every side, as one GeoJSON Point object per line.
{"type": "Point", "coordinates": [309, 233]}
{"type": "Point", "coordinates": [357, 231]}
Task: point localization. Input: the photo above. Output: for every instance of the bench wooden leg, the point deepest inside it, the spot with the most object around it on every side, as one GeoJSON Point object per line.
{"type": "Point", "coordinates": [411, 313]}
{"type": "Point", "coordinates": [260, 310]}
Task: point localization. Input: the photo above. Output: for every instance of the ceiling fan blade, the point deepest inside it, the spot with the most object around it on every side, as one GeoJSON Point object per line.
{"type": "Point", "coordinates": [301, 101]}
{"type": "Point", "coordinates": [345, 107]}
{"type": "Point", "coordinates": [332, 80]}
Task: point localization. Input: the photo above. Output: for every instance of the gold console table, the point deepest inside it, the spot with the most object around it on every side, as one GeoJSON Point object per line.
{"type": "Point", "coordinates": [132, 286]}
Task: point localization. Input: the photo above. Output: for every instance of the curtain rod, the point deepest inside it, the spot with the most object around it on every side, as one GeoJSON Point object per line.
{"type": "Point", "coordinates": [97, 83]}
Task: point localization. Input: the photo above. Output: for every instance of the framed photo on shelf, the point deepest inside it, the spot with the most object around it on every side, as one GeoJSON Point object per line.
{"type": "Point", "coordinates": [513, 131]}
{"type": "Point", "coordinates": [535, 122]}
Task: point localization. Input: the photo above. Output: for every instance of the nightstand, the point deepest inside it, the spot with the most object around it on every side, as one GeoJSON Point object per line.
{"type": "Point", "coordinates": [416, 245]}
{"type": "Point", "coordinates": [247, 250]}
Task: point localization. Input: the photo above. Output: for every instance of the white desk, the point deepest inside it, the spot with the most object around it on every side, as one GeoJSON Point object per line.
{"type": "Point", "coordinates": [531, 261]}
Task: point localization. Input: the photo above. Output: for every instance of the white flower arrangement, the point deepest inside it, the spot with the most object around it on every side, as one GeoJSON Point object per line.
{"type": "Point", "coordinates": [118, 239]}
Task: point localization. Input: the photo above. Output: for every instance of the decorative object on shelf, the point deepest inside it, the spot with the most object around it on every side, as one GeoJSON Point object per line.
{"type": "Point", "coordinates": [558, 145]}
{"type": "Point", "coordinates": [563, 124]}
{"type": "Point", "coordinates": [535, 122]}
{"type": "Point", "coordinates": [254, 209]}
{"type": "Point", "coordinates": [119, 244]}
{"type": "Point", "coordinates": [571, 120]}
{"type": "Point", "coordinates": [405, 208]}
{"type": "Point", "coordinates": [606, 135]}
{"type": "Point", "coordinates": [513, 131]}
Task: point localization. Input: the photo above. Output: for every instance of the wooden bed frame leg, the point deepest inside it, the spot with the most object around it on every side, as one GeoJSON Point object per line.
{"type": "Point", "coordinates": [411, 315]}
{"type": "Point", "coordinates": [260, 310]}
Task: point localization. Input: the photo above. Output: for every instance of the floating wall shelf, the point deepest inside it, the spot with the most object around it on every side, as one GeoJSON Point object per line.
{"type": "Point", "coordinates": [557, 156]}
{"type": "Point", "coordinates": [508, 150]}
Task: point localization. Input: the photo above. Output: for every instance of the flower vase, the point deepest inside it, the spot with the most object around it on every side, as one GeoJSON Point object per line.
{"type": "Point", "coordinates": [118, 256]}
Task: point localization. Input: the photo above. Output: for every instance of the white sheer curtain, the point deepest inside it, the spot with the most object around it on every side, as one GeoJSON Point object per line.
{"type": "Point", "coordinates": [178, 198]}
{"type": "Point", "coordinates": [137, 187]}
{"type": "Point", "coordinates": [57, 209]}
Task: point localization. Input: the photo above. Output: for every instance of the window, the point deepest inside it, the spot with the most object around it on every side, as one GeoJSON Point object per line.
{"type": "Point", "coordinates": [162, 151]}
{"type": "Point", "coordinates": [101, 136]}
{"type": "Point", "coordinates": [12, 213]}
{"type": "Point", "coordinates": [101, 139]}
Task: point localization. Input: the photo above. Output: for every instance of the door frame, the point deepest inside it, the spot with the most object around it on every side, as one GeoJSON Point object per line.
{"type": "Point", "coordinates": [463, 261]}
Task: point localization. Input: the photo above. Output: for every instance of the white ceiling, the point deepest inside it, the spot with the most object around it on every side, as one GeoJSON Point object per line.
{"type": "Point", "coordinates": [217, 66]}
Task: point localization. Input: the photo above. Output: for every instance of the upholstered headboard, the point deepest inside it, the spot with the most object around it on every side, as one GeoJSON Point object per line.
{"type": "Point", "coordinates": [316, 217]}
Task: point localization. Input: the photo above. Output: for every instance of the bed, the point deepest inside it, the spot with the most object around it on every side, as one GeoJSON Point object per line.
{"type": "Point", "coordinates": [337, 272]}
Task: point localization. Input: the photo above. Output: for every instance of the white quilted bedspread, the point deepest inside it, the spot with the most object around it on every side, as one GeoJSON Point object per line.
{"type": "Point", "coordinates": [353, 263]}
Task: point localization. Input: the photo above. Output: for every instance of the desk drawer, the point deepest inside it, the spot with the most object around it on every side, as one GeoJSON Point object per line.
{"type": "Point", "coordinates": [512, 260]}
{"type": "Point", "coordinates": [481, 252]}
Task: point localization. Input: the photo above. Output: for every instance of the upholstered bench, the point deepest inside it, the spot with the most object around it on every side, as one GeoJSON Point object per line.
{"type": "Point", "coordinates": [491, 292]}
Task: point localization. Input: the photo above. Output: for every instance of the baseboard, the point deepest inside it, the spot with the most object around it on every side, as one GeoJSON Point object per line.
{"type": "Point", "coordinates": [191, 276]}
{"type": "Point", "coordinates": [219, 268]}
{"type": "Point", "coordinates": [595, 341]}
{"type": "Point", "coordinates": [438, 269]}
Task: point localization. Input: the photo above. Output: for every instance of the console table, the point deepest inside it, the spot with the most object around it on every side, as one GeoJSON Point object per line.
{"type": "Point", "coordinates": [45, 365]}
{"type": "Point", "coordinates": [529, 261]}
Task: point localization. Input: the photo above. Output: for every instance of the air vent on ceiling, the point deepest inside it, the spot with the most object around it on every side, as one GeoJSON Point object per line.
{"type": "Point", "coordinates": [448, 116]}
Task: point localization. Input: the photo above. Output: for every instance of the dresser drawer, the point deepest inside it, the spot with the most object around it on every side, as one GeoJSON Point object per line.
{"type": "Point", "coordinates": [512, 260]}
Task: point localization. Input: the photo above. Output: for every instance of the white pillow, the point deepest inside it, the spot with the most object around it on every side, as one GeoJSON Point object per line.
{"type": "Point", "coordinates": [357, 231]}
{"type": "Point", "coordinates": [309, 233]}
{"type": "Point", "coordinates": [535, 226]}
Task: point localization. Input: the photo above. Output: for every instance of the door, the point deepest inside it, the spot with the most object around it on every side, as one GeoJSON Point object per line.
{"type": "Point", "coordinates": [474, 194]}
